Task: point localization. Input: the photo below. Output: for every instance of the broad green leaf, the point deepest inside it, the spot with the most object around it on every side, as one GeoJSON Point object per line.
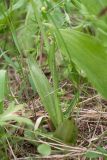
{"type": "Point", "coordinates": [44, 149]}
{"type": "Point", "coordinates": [44, 89]}
{"type": "Point", "coordinates": [100, 152]}
{"type": "Point", "coordinates": [67, 131]}
{"type": "Point", "coordinates": [88, 54]}
{"type": "Point", "coordinates": [98, 5]}
{"type": "Point", "coordinates": [101, 149]}
{"type": "Point", "coordinates": [92, 154]}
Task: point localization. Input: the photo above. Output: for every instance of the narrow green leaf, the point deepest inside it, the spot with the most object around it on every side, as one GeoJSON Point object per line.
{"type": "Point", "coordinates": [53, 68]}
{"type": "Point", "coordinates": [44, 89]}
{"type": "Point", "coordinates": [3, 88]}
{"type": "Point", "coordinates": [72, 104]}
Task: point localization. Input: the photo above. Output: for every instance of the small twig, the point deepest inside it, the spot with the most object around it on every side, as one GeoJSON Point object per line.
{"type": "Point", "coordinates": [89, 99]}
{"type": "Point", "coordinates": [15, 158]}
{"type": "Point", "coordinates": [14, 97]}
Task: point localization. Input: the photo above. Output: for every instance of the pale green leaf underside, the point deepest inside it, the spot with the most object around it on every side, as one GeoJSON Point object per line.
{"type": "Point", "coordinates": [44, 149]}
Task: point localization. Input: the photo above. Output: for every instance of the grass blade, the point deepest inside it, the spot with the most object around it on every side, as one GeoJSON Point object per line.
{"type": "Point", "coordinates": [52, 65]}
{"type": "Point", "coordinates": [2, 88]}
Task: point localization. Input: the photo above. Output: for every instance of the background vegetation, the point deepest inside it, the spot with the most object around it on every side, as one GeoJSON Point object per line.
{"type": "Point", "coordinates": [53, 79]}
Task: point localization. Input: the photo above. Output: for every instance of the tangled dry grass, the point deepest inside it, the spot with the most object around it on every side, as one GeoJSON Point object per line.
{"type": "Point", "coordinates": [90, 114]}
